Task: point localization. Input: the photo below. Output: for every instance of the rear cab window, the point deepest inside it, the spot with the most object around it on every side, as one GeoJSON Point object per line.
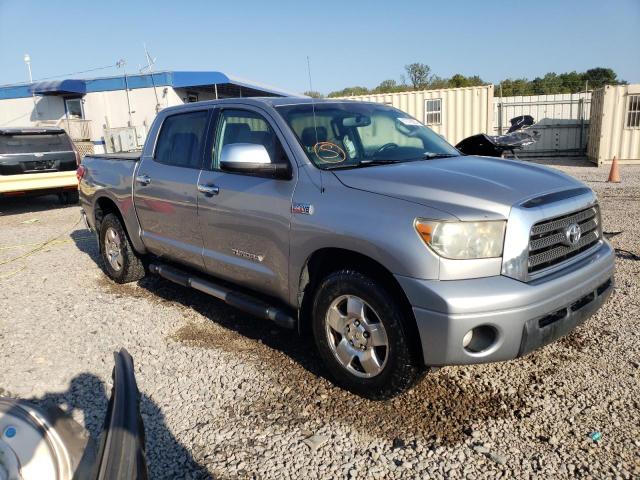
{"type": "Point", "coordinates": [181, 139]}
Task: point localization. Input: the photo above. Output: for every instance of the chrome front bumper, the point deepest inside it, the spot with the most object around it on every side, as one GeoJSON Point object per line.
{"type": "Point", "coordinates": [524, 316]}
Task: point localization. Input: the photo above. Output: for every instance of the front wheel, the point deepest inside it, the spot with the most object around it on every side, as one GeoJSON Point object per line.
{"type": "Point", "coordinates": [121, 263]}
{"type": "Point", "coordinates": [362, 335]}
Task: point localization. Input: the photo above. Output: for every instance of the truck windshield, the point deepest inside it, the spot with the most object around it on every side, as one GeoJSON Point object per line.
{"type": "Point", "coordinates": [350, 134]}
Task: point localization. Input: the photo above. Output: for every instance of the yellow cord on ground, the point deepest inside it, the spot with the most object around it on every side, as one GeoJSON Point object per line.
{"type": "Point", "coordinates": [40, 246]}
{"type": "Point", "coordinates": [12, 273]}
{"type": "Point", "coordinates": [56, 242]}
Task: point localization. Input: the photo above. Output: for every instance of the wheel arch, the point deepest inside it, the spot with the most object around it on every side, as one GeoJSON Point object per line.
{"type": "Point", "coordinates": [105, 205]}
{"type": "Point", "coordinates": [325, 261]}
{"type": "Point", "coordinates": [102, 207]}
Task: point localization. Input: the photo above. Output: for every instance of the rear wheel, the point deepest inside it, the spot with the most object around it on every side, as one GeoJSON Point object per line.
{"type": "Point", "coordinates": [121, 263]}
{"type": "Point", "coordinates": [361, 333]}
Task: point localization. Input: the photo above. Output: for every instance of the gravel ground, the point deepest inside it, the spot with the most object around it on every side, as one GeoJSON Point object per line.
{"type": "Point", "coordinates": [230, 396]}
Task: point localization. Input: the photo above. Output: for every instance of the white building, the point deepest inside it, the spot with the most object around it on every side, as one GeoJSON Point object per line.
{"type": "Point", "coordinates": [114, 113]}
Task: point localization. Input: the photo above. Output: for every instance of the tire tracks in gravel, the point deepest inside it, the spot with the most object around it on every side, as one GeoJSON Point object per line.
{"type": "Point", "coordinates": [440, 409]}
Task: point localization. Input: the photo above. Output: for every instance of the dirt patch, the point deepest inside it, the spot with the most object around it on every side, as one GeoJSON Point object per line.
{"type": "Point", "coordinates": [212, 336]}
{"type": "Point", "coordinates": [134, 290]}
{"type": "Point", "coordinates": [442, 410]}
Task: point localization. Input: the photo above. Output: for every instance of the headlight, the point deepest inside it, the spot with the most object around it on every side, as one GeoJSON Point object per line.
{"type": "Point", "coordinates": [463, 240]}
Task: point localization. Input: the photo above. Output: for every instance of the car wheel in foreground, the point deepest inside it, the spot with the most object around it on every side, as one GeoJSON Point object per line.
{"type": "Point", "coordinates": [121, 262]}
{"type": "Point", "coordinates": [361, 334]}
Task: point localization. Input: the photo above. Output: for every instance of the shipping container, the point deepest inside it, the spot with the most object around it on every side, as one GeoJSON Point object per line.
{"type": "Point", "coordinates": [615, 124]}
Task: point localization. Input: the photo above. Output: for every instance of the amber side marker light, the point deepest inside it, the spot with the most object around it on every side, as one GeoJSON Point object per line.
{"type": "Point", "coordinates": [425, 231]}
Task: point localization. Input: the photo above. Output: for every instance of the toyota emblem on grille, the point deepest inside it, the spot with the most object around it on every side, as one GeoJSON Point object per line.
{"type": "Point", "coordinates": [573, 233]}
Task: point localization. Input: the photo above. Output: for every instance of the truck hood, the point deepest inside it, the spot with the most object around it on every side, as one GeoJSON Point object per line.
{"type": "Point", "coordinates": [470, 188]}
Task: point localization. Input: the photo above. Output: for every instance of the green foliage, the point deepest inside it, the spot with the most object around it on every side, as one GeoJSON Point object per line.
{"type": "Point", "coordinates": [418, 75]}
{"type": "Point", "coordinates": [459, 81]}
{"type": "Point", "coordinates": [350, 92]}
{"type": "Point", "coordinates": [599, 77]}
{"type": "Point", "coordinates": [552, 83]}
{"type": "Point", "coordinates": [420, 78]}
{"type": "Point", "coordinates": [313, 94]}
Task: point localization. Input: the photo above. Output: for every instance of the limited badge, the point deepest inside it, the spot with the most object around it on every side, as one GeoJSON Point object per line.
{"type": "Point", "coordinates": [302, 208]}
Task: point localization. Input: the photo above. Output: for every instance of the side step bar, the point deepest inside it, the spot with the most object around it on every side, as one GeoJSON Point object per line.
{"type": "Point", "coordinates": [238, 300]}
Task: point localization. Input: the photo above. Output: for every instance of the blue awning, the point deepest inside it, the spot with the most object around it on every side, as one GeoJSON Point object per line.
{"type": "Point", "coordinates": [60, 87]}
{"type": "Point", "coordinates": [176, 79]}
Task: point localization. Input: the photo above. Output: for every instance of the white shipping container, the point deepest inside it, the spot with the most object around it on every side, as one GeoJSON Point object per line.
{"type": "Point", "coordinates": [615, 124]}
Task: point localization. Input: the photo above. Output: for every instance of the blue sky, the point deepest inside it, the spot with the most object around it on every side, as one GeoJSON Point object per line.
{"type": "Point", "coordinates": [349, 42]}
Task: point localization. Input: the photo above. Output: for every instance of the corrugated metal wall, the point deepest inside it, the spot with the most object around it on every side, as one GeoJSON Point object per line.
{"type": "Point", "coordinates": [595, 125]}
{"type": "Point", "coordinates": [562, 120]}
{"type": "Point", "coordinates": [614, 136]}
{"type": "Point", "coordinates": [464, 111]}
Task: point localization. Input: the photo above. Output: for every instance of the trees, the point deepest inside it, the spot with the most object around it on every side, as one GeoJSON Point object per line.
{"type": "Point", "coordinates": [349, 92]}
{"type": "Point", "coordinates": [551, 83]}
{"type": "Point", "coordinates": [420, 78]}
{"type": "Point", "coordinates": [387, 86]}
{"type": "Point", "coordinates": [418, 75]}
{"type": "Point", "coordinates": [313, 94]}
{"type": "Point", "coordinates": [598, 77]}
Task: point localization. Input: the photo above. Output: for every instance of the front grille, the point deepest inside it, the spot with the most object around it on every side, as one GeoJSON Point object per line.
{"type": "Point", "coordinates": [548, 243]}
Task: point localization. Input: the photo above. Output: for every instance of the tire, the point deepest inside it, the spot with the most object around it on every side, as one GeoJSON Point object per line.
{"type": "Point", "coordinates": [358, 306]}
{"type": "Point", "coordinates": [69, 198]}
{"type": "Point", "coordinates": [121, 263]}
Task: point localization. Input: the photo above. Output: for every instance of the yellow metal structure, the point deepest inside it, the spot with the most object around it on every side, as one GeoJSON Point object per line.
{"type": "Point", "coordinates": [615, 125]}
{"type": "Point", "coordinates": [30, 182]}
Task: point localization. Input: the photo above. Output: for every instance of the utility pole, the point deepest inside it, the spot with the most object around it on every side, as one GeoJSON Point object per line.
{"type": "Point", "coordinates": [121, 64]}
{"type": "Point", "coordinates": [150, 63]}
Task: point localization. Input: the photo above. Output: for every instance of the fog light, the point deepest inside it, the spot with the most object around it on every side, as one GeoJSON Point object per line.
{"type": "Point", "coordinates": [466, 340]}
{"type": "Point", "coordinates": [479, 339]}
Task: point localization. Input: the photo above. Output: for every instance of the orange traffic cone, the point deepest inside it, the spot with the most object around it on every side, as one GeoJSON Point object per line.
{"type": "Point", "coordinates": [614, 174]}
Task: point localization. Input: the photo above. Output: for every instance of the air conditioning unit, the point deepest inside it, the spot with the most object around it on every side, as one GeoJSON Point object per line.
{"type": "Point", "coordinates": [124, 139]}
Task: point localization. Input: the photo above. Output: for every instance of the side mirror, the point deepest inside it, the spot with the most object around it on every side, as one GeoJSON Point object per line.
{"type": "Point", "coordinates": [251, 158]}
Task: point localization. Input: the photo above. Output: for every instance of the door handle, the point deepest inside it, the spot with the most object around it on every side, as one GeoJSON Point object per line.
{"type": "Point", "coordinates": [208, 190]}
{"type": "Point", "coordinates": [143, 179]}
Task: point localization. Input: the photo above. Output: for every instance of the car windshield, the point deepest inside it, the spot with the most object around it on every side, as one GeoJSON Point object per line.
{"type": "Point", "coordinates": [350, 134]}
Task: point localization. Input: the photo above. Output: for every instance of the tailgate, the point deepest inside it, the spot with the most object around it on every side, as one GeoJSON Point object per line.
{"type": "Point", "coordinates": [20, 163]}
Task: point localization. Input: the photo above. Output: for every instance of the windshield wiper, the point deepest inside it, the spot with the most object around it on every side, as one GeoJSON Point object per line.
{"type": "Point", "coordinates": [378, 161]}
{"type": "Point", "coordinates": [362, 163]}
{"type": "Point", "coordinates": [431, 156]}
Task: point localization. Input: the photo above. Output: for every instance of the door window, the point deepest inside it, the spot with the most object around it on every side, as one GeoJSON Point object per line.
{"type": "Point", "coordinates": [181, 139]}
{"type": "Point", "coordinates": [244, 126]}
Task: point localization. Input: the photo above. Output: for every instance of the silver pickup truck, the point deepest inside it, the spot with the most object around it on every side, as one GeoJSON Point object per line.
{"type": "Point", "coordinates": [357, 224]}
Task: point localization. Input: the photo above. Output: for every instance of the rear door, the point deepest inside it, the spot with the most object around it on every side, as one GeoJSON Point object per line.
{"type": "Point", "coordinates": [165, 188]}
{"type": "Point", "coordinates": [245, 225]}
{"type": "Point", "coordinates": [35, 152]}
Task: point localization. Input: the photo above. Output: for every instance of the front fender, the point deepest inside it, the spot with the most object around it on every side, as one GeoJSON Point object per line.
{"type": "Point", "coordinates": [377, 226]}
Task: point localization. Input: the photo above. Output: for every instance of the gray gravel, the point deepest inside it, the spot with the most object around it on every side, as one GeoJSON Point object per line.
{"type": "Point", "coordinates": [230, 396]}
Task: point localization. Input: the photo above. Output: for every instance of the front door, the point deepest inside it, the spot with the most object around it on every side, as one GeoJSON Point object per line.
{"type": "Point", "coordinates": [245, 224]}
{"type": "Point", "coordinates": [165, 189]}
